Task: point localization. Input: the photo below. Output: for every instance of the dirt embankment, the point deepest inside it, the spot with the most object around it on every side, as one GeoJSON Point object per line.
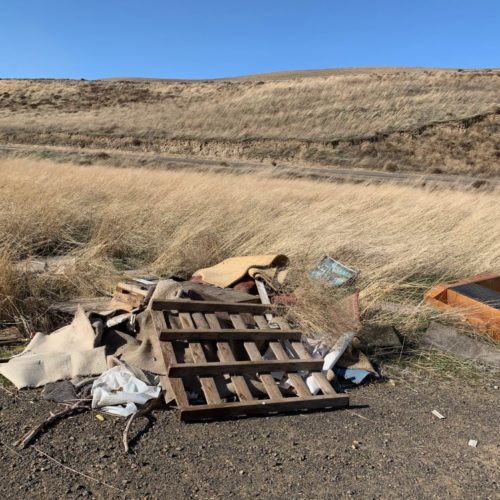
{"type": "Point", "coordinates": [446, 147]}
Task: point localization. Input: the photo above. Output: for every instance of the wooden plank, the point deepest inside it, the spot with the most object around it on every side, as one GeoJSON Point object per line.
{"type": "Point", "coordinates": [262, 407]}
{"type": "Point", "coordinates": [205, 306]}
{"type": "Point", "coordinates": [201, 322]}
{"type": "Point", "coordinates": [226, 355]}
{"type": "Point", "coordinates": [133, 289]}
{"type": "Point", "coordinates": [171, 387]}
{"type": "Point", "coordinates": [270, 385]}
{"type": "Point", "coordinates": [207, 383]}
{"type": "Point", "coordinates": [264, 298]}
{"type": "Point", "coordinates": [240, 367]}
{"type": "Point", "coordinates": [227, 334]}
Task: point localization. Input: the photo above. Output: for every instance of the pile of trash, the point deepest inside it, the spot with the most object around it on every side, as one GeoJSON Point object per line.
{"type": "Point", "coordinates": [109, 357]}
{"type": "Point", "coordinates": [113, 356]}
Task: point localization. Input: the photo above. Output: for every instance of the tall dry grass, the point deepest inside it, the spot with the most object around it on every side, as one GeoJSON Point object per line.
{"type": "Point", "coordinates": [402, 239]}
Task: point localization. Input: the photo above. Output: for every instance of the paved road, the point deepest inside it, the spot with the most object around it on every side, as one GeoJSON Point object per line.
{"type": "Point", "coordinates": [334, 174]}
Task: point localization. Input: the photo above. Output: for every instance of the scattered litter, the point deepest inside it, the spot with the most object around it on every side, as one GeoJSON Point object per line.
{"type": "Point", "coordinates": [437, 414]}
{"type": "Point", "coordinates": [116, 320]}
{"type": "Point", "coordinates": [378, 339]}
{"type": "Point", "coordinates": [353, 365]}
{"type": "Point", "coordinates": [333, 272]}
{"type": "Point", "coordinates": [119, 386]}
{"type": "Point", "coordinates": [352, 375]}
{"type": "Point", "coordinates": [53, 265]}
{"type": "Point", "coordinates": [473, 443]}
{"type": "Point", "coordinates": [99, 417]}
{"type": "Point", "coordinates": [476, 298]}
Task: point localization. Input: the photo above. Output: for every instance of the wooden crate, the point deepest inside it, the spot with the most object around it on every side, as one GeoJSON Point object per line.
{"type": "Point", "coordinates": [481, 310]}
{"type": "Point", "coordinates": [227, 340]}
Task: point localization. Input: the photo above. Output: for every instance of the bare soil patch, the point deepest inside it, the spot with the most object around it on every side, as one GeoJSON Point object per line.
{"type": "Point", "coordinates": [387, 445]}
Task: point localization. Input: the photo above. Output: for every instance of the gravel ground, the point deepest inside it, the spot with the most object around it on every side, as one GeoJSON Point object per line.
{"type": "Point", "coordinates": [387, 445]}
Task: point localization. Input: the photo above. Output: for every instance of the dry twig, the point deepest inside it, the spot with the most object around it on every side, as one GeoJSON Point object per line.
{"type": "Point", "coordinates": [154, 403]}
{"type": "Point", "coordinates": [29, 436]}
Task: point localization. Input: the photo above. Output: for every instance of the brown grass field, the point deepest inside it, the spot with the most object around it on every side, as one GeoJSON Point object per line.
{"type": "Point", "coordinates": [402, 239]}
{"type": "Point", "coordinates": [415, 120]}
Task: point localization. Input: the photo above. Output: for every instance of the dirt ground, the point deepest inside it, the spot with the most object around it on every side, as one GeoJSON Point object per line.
{"type": "Point", "coordinates": [387, 445]}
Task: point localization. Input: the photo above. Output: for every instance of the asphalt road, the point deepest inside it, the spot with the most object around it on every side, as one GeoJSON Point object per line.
{"type": "Point", "coordinates": [388, 444]}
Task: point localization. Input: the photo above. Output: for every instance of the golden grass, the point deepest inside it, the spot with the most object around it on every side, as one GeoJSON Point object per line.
{"type": "Point", "coordinates": [403, 239]}
{"type": "Point", "coordinates": [319, 108]}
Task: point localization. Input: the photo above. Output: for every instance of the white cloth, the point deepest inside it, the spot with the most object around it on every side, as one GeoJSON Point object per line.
{"type": "Point", "coordinates": [119, 386]}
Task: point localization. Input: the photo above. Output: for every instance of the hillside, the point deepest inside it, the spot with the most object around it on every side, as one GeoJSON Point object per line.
{"type": "Point", "coordinates": [395, 119]}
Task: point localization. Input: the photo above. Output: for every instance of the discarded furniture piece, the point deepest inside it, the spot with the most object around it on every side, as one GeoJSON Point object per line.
{"type": "Point", "coordinates": [476, 298]}
{"type": "Point", "coordinates": [234, 342]}
{"type": "Point", "coordinates": [333, 272]}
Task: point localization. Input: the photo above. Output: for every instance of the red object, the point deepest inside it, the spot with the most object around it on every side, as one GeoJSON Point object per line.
{"type": "Point", "coordinates": [246, 286]}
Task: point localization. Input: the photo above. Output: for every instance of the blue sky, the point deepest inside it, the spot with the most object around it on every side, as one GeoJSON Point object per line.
{"type": "Point", "coordinates": [210, 38]}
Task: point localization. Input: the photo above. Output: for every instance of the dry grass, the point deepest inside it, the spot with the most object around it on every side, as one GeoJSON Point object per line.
{"type": "Point", "coordinates": [292, 119]}
{"type": "Point", "coordinates": [321, 108]}
{"type": "Point", "coordinates": [401, 238]}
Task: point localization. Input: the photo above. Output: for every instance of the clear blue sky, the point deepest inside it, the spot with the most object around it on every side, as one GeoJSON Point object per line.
{"type": "Point", "coordinates": [216, 38]}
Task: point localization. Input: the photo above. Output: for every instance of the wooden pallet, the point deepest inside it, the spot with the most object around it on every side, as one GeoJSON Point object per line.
{"type": "Point", "coordinates": [226, 341]}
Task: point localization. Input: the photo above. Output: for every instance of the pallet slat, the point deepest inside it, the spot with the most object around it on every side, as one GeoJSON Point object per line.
{"type": "Point", "coordinates": [205, 306]}
{"type": "Point", "coordinates": [207, 383]}
{"type": "Point", "coordinates": [240, 367]}
{"type": "Point", "coordinates": [262, 407]}
{"type": "Point", "coordinates": [227, 334]}
{"type": "Point", "coordinates": [226, 355]}
{"type": "Point", "coordinates": [270, 385]}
